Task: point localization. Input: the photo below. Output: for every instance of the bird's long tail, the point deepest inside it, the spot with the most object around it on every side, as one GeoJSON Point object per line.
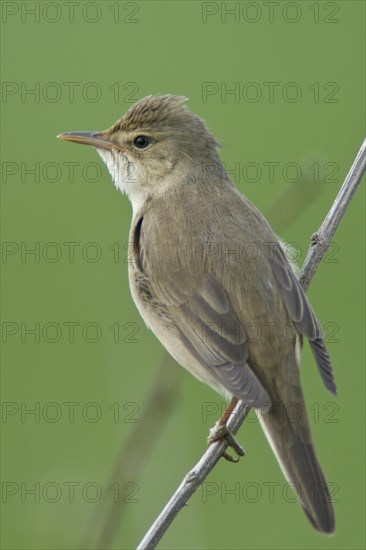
{"type": "Point", "coordinates": [290, 439]}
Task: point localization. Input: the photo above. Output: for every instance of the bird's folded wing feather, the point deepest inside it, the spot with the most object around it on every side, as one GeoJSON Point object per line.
{"type": "Point", "coordinates": [217, 340]}
{"type": "Point", "coordinates": [206, 324]}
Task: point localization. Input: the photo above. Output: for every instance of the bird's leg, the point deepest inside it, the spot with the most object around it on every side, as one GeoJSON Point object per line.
{"type": "Point", "coordinates": [221, 432]}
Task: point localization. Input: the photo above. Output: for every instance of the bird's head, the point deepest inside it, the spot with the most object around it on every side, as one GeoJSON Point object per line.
{"type": "Point", "coordinates": [152, 146]}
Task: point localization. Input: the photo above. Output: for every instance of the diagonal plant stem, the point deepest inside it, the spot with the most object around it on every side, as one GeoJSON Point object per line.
{"type": "Point", "coordinates": [319, 244]}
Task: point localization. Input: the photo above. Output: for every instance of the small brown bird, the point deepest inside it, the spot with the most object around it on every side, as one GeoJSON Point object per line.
{"type": "Point", "coordinates": [211, 280]}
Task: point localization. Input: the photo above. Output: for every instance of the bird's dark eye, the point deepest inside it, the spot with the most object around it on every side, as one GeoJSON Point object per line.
{"type": "Point", "coordinates": [141, 142]}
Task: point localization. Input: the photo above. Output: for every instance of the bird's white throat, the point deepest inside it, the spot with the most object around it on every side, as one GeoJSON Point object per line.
{"type": "Point", "coordinates": [125, 175]}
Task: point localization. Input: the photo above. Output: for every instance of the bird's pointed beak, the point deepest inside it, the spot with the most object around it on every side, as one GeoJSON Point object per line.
{"type": "Point", "coordinates": [96, 139]}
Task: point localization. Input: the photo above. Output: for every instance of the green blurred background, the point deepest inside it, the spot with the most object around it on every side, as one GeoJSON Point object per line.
{"type": "Point", "coordinates": [86, 63]}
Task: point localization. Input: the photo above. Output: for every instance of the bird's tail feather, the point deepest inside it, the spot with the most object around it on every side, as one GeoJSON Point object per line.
{"type": "Point", "coordinates": [291, 442]}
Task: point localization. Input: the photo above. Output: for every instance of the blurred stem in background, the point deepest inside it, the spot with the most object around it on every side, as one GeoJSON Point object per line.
{"type": "Point", "coordinates": [292, 204]}
{"type": "Point", "coordinates": [135, 453]}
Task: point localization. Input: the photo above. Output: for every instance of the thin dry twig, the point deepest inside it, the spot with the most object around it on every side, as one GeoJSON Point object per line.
{"type": "Point", "coordinates": [319, 244]}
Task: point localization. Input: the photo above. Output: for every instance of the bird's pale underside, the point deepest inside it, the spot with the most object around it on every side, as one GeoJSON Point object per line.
{"type": "Point", "coordinates": [211, 280]}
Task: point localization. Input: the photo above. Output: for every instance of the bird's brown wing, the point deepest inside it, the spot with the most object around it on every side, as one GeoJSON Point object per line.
{"type": "Point", "coordinates": [202, 316]}
{"type": "Point", "coordinates": [215, 337]}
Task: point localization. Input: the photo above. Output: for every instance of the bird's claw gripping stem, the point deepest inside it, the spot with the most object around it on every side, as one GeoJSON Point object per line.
{"type": "Point", "coordinates": [220, 432]}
